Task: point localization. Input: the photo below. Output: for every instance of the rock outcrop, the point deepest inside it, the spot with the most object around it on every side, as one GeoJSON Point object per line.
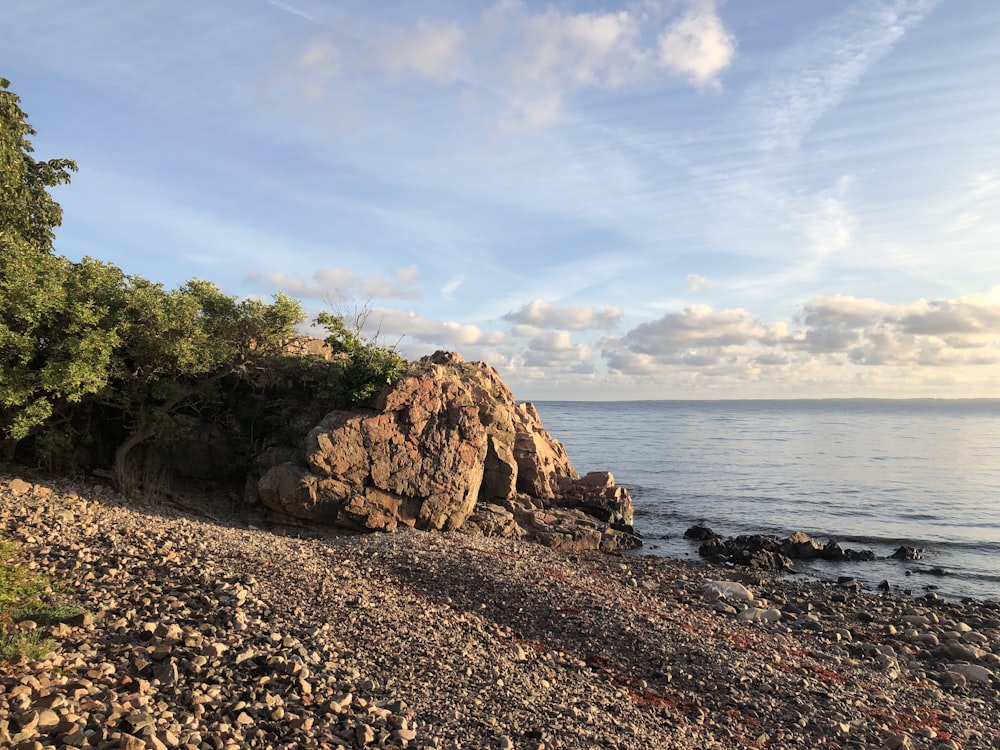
{"type": "Point", "coordinates": [446, 444]}
{"type": "Point", "coordinates": [771, 552]}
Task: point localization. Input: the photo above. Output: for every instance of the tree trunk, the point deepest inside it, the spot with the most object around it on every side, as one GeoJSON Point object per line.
{"type": "Point", "coordinates": [127, 477]}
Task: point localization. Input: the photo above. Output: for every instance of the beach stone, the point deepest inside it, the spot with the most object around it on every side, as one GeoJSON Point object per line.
{"type": "Point", "coordinates": [18, 486]}
{"type": "Point", "coordinates": [48, 720]}
{"type": "Point", "coordinates": [956, 650]}
{"type": "Point", "coordinates": [756, 614]}
{"type": "Point", "coordinates": [972, 672]}
{"type": "Point", "coordinates": [727, 590]}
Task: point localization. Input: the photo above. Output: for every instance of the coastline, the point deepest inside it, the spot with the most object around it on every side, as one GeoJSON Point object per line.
{"type": "Point", "coordinates": [209, 631]}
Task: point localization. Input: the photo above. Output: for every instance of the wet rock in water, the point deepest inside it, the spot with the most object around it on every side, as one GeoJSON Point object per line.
{"type": "Point", "coordinates": [756, 551]}
{"type": "Point", "coordinates": [835, 553]}
{"type": "Point", "coordinates": [700, 533]}
{"type": "Point", "coordinates": [940, 572]}
{"type": "Point", "coordinates": [800, 546]}
{"type": "Point", "coordinates": [908, 553]}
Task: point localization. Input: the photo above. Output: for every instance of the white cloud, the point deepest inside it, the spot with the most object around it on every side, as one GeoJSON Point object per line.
{"type": "Point", "coordinates": [335, 285]}
{"type": "Point", "coordinates": [831, 226]}
{"type": "Point", "coordinates": [541, 314]}
{"type": "Point", "coordinates": [432, 49]}
{"type": "Point", "coordinates": [694, 327]}
{"type": "Point", "coordinates": [452, 286]}
{"type": "Point", "coordinates": [318, 64]}
{"type": "Point", "coordinates": [292, 9]}
{"type": "Point", "coordinates": [835, 332]}
{"type": "Point", "coordinates": [556, 351]}
{"type": "Point", "coordinates": [840, 310]}
{"type": "Point", "coordinates": [698, 45]}
{"type": "Point", "coordinates": [526, 331]}
{"type": "Point", "coordinates": [584, 49]}
{"type": "Point", "coordinates": [977, 207]}
{"type": "Point", "coordinates": [427, 330]}
{"type": "Point", "coordinates": [526, 113]}
{"type": "Point", "coordinates": [696, 282]}
{"type": "Point", "coordinates": [534, 60]}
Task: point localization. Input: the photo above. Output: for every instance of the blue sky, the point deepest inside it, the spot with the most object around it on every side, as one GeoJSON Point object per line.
{"type": "Point", "coordinates": [657, 199]}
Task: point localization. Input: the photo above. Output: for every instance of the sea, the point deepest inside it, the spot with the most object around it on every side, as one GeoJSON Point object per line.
{"type": "Point", "coordinates": [869, 474]}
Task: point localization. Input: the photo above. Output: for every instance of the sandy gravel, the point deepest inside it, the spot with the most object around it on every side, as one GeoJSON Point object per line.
{"type": "Point", "coordinates": [210, 630]}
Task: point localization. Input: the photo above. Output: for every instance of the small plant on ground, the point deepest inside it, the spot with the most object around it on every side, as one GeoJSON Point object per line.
{"type": "Point", "coordinates": [25, 595]}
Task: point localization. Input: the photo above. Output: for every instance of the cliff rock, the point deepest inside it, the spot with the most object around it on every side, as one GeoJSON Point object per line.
{"type": "Point", "coordinates": [448, 436]}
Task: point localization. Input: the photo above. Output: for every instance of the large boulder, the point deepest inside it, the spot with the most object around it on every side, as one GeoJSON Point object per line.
{"type": "Point", "coordinates": [448, 435]}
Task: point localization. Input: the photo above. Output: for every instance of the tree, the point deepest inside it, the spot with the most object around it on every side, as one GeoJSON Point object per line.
{"type": "Point", "coordinates": [32, 282]}
{"type": "Point", "coordinates": [178, 351]}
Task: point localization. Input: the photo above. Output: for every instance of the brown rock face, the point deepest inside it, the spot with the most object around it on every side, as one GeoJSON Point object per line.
{"type": "Point", "coordinates": [447, 435]}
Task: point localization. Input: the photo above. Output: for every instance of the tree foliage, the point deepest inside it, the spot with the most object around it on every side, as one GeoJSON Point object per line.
{"type": "Point", "coordinates": [32, 294]}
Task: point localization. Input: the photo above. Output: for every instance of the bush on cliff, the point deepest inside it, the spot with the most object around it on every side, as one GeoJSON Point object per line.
{"type": "Point", "coordinates": [360, 365]}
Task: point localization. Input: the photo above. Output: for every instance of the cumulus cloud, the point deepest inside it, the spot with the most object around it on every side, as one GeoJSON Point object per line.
{"type": "Point", "coordinates": [556, 351]}
{"type": "Point", "coordinates": [336, 284]}
{"type": "Point", "coordinates": [831, 332]}
{"type": "Point", "coordinates": [698, 45]}
{"type": "Point", "coordinates": [694, 327]}
{"type": "Point", "coordinates": [427, 330]}
{"type": "Point", "coordinates": [961, 323]}
{"type": "Point", "coordinates": [925, 332]}
{"type": "Point", "coordinates": [541, 314]}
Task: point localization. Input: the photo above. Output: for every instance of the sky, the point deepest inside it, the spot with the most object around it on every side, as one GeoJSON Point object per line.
{"type": "Point", "coordinates": [655, 199]}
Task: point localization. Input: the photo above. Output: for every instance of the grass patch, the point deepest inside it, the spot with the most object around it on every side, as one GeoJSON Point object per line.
{"type": "Point", "coordinates": [29, 644]}
{"type": "Point", "coordinates": [25, 595]}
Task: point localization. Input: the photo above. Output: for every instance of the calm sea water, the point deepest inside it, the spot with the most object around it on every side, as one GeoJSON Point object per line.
{"type": "Point", "coordinates": [870, 474]}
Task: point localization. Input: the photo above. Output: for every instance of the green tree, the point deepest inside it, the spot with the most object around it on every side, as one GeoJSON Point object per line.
{"type": "Point", "coordinates": [179, 352]}
{"type": "Point", "coordinates": [32, 282]}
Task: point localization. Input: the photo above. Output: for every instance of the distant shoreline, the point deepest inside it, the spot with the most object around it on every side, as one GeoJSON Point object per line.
{"type": "Point", "coordinates": [833, 399]}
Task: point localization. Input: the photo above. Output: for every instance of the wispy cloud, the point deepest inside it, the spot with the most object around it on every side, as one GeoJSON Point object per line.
{"type": "Point", "coordinates": [289, 8]}
{"type": "Point", "coordinates": [816, 74]}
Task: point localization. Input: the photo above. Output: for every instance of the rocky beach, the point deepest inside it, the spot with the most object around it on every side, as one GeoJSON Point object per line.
{"type": "Point", "coordinates": [209, 628]}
